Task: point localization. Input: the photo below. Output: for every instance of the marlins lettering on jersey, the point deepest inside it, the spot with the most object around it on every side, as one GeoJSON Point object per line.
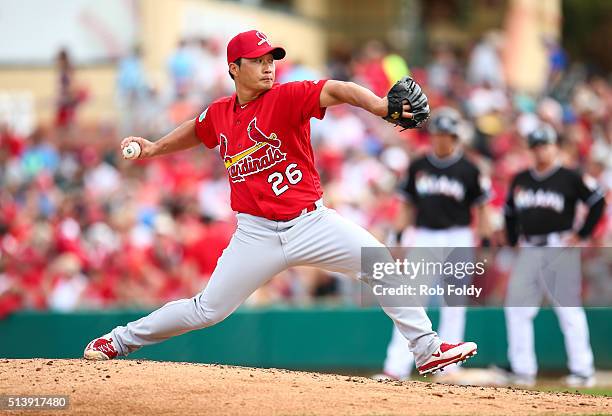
{"type": "Point", "coordinates": [428, 184]}
{"type": "Point", "coordinates": [543, 204]}
{"type": "Point", "coordinates": [528, 198]}
{"type": "Point", "coordinates": [443, 190]}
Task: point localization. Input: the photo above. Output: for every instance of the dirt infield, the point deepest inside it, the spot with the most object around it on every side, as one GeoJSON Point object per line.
{"type": "Point", "coordinates": [148, 387]}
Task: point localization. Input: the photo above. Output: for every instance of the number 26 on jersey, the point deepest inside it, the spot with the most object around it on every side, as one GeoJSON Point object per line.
{"type": "Point", "coordinates": [278, 180]}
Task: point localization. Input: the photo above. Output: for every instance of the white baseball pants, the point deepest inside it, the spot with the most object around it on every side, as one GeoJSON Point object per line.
{"type": "Point", "coordinates": [260, 249]}
{"type": "Point", "coordinates": [527, 287]}
{"type": "Point", "coordinates": [399, 360]}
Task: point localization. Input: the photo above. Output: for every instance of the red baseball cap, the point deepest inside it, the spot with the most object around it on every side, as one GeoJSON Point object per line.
{"type": "Point", "coordinates": [252, 44]}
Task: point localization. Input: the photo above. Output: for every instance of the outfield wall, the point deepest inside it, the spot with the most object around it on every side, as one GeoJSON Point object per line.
{"type": "Point", "coordinates": [316, 338]}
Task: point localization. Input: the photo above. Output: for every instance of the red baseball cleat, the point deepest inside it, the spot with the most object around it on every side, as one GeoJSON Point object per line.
{"type": "Point", "coordinates": [448, 354]}
{"type": "Point", "coordinates": [100, 349]}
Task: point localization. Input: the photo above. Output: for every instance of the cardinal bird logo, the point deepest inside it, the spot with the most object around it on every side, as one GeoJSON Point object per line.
{"type": "Point", "coordinates": [244, 163]}
{"type": "Point", "coordinates": [259, 136]}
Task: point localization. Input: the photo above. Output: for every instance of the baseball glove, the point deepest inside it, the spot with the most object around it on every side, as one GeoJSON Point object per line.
{"type": "Point", "coordinates": [407, 91]}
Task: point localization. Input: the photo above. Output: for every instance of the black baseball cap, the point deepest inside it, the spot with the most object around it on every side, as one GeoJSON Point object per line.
{"type": "Point", "coordinates": [543, 134]}
{"type": "Point", "coordinates": [445, 120]}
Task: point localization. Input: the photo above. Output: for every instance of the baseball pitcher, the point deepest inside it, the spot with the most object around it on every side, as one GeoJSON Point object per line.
{"type": "Point", "coordinates": [263, 135]}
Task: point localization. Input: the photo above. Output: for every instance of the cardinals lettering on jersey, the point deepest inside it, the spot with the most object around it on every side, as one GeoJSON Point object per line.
{"type": "Point", "coordinates": [246, 163]}
{"type": "Point", "coordinates": [265, 147]}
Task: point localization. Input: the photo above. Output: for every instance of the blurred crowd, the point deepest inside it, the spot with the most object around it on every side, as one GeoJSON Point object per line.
{"type": "Point", "coordinates": [82, 228]}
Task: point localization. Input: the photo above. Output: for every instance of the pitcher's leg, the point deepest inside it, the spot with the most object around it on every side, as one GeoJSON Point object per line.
{"type": "Point", "coordinates": [399, 360]}
{"type": "Point", "coordinates": [331, 242]}
{"type": "Point", "coordinates": [241, 269]}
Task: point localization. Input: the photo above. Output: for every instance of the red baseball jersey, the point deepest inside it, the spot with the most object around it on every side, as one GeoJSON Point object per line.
{"type": "Point", "coordinates": [265, 146]}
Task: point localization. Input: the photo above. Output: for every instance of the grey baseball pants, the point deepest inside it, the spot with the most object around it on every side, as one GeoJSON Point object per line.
{"type": "Point", "coordinates": [260, 249]}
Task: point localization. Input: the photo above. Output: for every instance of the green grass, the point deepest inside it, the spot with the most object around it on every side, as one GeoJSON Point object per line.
{"type": "Point", "coordinates": [594, 391]}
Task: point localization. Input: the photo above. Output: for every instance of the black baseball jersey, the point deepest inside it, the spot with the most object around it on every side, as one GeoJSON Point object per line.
{"type": "Point", "coordinates": [443, 190]}
{"type": "Point", "coordinates": [542, 204]}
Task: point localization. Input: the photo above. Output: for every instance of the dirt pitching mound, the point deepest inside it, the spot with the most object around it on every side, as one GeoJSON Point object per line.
{"type": "Point", "coordinates": [149, 387]}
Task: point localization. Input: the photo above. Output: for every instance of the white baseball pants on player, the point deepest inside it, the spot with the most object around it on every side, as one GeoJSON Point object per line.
{"type": "Point", "coordinates": [526, 290]}
{"type": "Point", "coordinates": [258, 250]}
{"type": "Point", "coordinates": [399, 359]}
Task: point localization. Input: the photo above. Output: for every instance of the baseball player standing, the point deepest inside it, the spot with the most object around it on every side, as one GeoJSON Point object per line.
{"type": "Point", "coordinates": [263, 134]}
{"type": "Point", "coordinates": [439, 192]}
{"type": "Point", "coordinates": [539, 212]}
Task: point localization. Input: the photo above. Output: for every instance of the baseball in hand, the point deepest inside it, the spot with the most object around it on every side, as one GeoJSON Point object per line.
{"type": "Point", "coordinates": [131, 151]}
